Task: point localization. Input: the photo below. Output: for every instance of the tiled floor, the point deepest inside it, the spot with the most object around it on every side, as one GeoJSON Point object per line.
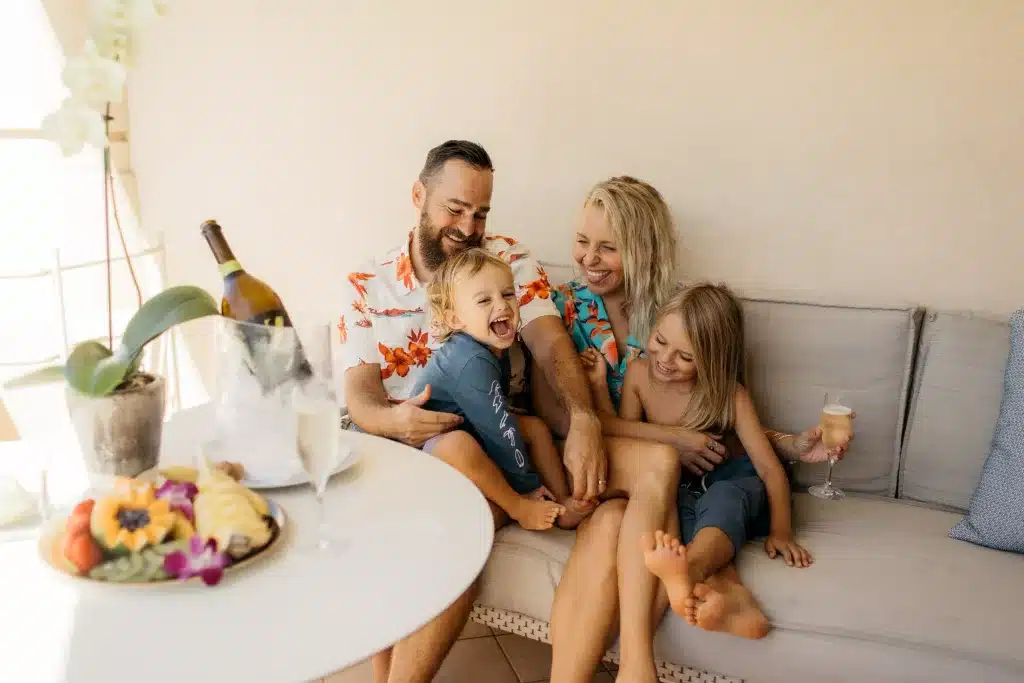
{"type": "Point", "coordinates": [482, 656]}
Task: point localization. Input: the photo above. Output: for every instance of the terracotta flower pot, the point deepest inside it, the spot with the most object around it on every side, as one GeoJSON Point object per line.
{"type": "Point", "coordinates": [120, 434]}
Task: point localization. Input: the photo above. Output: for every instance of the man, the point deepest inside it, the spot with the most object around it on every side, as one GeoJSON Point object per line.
{"type": "Point", "coordinates": [385, 343]}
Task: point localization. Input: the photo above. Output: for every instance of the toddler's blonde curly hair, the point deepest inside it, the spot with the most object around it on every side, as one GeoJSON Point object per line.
{"type": "Point", "coordinates": [441, 290]}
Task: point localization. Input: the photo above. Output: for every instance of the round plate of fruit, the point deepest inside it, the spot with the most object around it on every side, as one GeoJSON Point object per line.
{"type": "Point", "coordinates": [189, 525]}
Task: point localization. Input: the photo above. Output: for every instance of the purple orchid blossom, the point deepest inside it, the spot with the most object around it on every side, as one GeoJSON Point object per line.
{"type": "Point", "coordinates": [200, 559]}
{"type": "Point", "coordinates": [179, 495]}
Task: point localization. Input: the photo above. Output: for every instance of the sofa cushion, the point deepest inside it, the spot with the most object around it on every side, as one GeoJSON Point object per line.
{"type": "Point", "coordinates": [885, 571]}
{"type": "Point", "coordinates": [996, 515]}
{"type": "Point", "coordinates": [797, 351]}
{"type": "Point", "coordinates": [958, 383]}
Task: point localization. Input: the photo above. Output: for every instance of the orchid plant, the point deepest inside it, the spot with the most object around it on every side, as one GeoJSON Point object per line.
{"type": "Point", "coordinates": [95, 80]}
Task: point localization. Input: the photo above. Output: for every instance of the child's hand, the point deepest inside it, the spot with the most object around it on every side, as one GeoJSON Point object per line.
{"type": "Point", "coordinates": [792, 552]}
{"type": "Point", "coordinates": [595, 367]}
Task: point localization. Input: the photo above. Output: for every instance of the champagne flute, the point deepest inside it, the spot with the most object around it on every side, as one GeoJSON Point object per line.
{"type": "Point", "coordinates": [836, 428]}
{"type": "Point", "coordinates": [318, 434]}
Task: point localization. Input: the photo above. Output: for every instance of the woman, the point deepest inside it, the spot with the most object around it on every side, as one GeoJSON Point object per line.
{"type": "Point", "coordinates": [626, 249]}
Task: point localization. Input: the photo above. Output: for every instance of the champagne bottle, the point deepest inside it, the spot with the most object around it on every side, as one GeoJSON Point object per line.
{"type": "Point", "coordinates": [250, 300]}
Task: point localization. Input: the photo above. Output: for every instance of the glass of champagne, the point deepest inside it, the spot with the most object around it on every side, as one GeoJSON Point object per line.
{"type": "Point", "coordinates": [318, 435]}
{"type": "Point", "coordinates": [836, 428]}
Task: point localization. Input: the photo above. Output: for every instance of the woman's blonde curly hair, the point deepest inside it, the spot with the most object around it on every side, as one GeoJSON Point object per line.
{"type": "Point", "coordinates": [645, 233]}
{"type": "Point", "coordinates": [441, 290]}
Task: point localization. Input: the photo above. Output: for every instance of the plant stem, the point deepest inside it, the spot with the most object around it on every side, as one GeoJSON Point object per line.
{"type": "Point", "coordinates": [106, 232]}
{"type": "Point", "coordinates": [110, 204]}
{"type": "Point", "coordinates": [120, 234]}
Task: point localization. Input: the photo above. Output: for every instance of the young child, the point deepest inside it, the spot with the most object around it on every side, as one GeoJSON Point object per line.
{"type": "Point", "coordinates": [475, 312]}
{"type": "Point", "coordinates": [692, 377]}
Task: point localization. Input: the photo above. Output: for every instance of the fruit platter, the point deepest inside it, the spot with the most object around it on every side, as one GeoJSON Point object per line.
{"type": "Point", "coordinates": [189, 525]}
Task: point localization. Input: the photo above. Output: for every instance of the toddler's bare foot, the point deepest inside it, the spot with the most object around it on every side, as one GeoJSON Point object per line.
{"type": "Point", "coordinates": [535, 514]}
{"type": "Point", "coordinates": [665, 557]}
{"type": "Point", "coordinates": [729, 607]}
{"type": "Point", "coordinates": [575, 512]}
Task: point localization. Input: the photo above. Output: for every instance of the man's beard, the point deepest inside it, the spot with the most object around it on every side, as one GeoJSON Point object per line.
{"type": "Point", "coordinates": [431, 246]}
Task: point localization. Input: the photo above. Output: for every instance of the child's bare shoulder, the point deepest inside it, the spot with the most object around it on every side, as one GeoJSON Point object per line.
{"type": "Point", "coordinates": [636, 373]}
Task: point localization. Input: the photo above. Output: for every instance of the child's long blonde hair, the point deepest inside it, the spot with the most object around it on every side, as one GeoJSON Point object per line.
{"type": "Point", "coordinates": [713, 320]}
{"type": "Point", "coordinates": [645, 234]}
{"type": "Point", "coordinates": [441, 290]}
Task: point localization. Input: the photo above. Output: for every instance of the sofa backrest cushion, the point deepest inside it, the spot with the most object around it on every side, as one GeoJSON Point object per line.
{"type": "Point", "coordinates": [797, 351]}
{"type": "Point", "coordinates": [954, 407]}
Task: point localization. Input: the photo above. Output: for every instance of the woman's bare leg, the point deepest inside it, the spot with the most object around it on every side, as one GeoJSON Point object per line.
{"type": "Point", "coordinates": [649, 474]}
{"type": "Point", "coordinates": [586, 603]}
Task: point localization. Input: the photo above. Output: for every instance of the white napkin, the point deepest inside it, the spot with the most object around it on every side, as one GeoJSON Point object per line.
{"type": "Point", "coordinates": [15, 502]}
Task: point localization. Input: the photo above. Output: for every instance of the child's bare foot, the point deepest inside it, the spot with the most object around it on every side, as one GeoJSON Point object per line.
{"type": "Point", "coordinates": [729, 607]}
{"type": "Point", "coordinates": [575, 512]}
{"type": "Point", "coordinates": [665, 557]}
{"type": "Point", "coordinates": [535, 514]}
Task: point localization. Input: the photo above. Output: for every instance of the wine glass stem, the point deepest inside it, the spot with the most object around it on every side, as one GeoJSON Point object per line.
{"type": "Point", "coordinates": [321, 526]}
{"type": "Point", "coordinates": [828, 474]}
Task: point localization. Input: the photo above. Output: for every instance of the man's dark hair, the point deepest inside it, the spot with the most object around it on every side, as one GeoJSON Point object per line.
{"type": "Point", "coordinates": [461, 150]}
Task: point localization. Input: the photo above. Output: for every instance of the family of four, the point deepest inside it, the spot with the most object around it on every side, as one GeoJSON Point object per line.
{"type": "Point", "coordinates": [640, 433]}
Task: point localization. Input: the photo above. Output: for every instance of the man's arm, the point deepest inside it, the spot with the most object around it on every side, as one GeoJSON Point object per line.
{"type": "Point", "coordinates": [368, 405]}
{"type": "Point", "coordinates": [554, 352]}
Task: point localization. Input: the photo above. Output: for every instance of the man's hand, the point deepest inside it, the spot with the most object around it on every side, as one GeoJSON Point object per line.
{"type": "Point", "coordinates": [585, 458]}
{"type": "Point", "coordinates": [414, 426]}
{"type": "Point", "coordinates": [594, 365]}
{"type": "Point", "coordinates": [808, 446]}
{"type": "Point", "coordinates": [698, 452]}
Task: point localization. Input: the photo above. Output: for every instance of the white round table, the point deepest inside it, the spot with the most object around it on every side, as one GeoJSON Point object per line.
{"type": "Point", "coordinates": [415, 534]}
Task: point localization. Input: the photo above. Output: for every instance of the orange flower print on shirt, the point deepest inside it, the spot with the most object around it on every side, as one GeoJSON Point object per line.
{"type": "Point", "coordinates": [570, 315]}
{"type": "Point", "coordinates": [360, 307]}
{"type": "Point", "coordinates": [396, 361]}
{"type": "Point", "coordinates": [418, 349]}
{"type": "Point", "coordinates": [342, 331]}
{"type": "Point", "coordinates": [403, 271]}
{"type": "Point", "coordinates": [538, 289]}
{"type": "Point", "coordinates": [357, 280]}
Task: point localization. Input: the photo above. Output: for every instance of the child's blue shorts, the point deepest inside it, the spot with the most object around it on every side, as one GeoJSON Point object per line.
{"type": "Point", "coordinates": [731, 498]}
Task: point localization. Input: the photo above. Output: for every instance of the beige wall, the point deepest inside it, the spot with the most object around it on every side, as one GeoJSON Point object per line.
{"type": "Point", "coordinates": [864, 150]}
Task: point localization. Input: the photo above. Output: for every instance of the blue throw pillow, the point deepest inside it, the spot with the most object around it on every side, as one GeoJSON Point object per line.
{"type": "Point", "coordinates": [996, 515]}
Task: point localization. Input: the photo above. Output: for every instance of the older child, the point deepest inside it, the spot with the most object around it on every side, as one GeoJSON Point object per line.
{"type": "Point", "coordinates": [475, 312]}
{"type": "Point", "coordinates": [692, 377]}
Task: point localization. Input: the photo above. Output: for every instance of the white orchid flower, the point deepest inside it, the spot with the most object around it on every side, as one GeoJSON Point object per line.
{"type": "Point", "coordinates": [73, 125]}
{"type": "Point", "coordinates": [115, 25]}
{"type": "Point", "coordinates": [94, 80]}
{"type": "Point", "coordinates": [114, 43]}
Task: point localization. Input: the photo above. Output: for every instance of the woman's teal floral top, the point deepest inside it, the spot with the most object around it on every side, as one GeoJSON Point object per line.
{"type": "Point", "coordinates": [586, 320]}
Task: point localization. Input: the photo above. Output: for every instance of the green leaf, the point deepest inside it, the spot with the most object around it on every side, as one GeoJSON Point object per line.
{"type": "Point", "coordinates": [52, 373]}
{"type": "Point", "coordinates": [93, 370]}
{"type": "Point", "coordinates": [170, 307]}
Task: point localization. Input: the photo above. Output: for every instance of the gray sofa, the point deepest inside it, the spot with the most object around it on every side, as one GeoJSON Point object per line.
{"type": "Point", "coordinates": [890, 597]}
